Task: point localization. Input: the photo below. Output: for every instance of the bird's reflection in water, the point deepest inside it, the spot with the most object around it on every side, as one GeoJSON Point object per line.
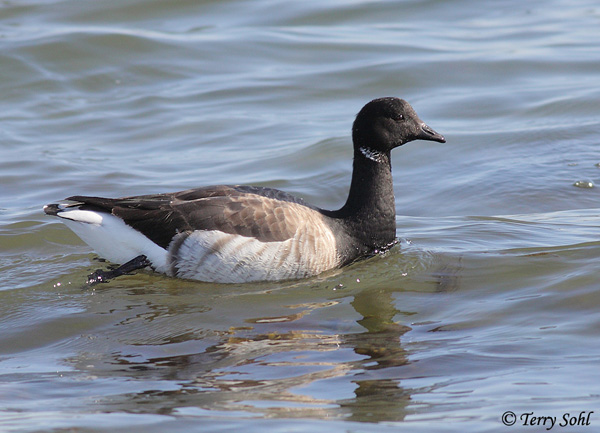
{"type": "Point", "coordinates": [378, 396]}
{"type": "Point", "coordinates": [277, 367]}
{"type": "Point", "coordinates": [283, 366]}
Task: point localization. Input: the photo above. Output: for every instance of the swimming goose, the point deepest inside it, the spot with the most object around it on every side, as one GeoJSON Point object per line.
{"type": "Point", "coordinates": [233, 234]}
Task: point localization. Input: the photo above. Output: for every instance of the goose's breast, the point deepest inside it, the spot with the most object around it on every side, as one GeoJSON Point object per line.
{"type": "Point", "coordinates": [216, 256]}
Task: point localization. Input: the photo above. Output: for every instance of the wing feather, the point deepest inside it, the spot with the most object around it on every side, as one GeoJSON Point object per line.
{"type": "Point", "coordinates": [269, 215]}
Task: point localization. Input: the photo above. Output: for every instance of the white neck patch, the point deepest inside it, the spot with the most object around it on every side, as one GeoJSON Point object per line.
{"type": "Point", "coordinates": [373, 155]}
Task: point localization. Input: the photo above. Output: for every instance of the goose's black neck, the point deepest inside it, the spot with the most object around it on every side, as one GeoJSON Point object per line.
{"type": "Point", "coordinates": [369, 216]}
{"type": "Point", "coordinates": [367, 222]}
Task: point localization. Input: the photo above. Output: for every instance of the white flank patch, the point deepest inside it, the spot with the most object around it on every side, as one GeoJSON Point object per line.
{"type": "Point", "coordinates": [215, 256]}
{"type": "Point", "coordinates": [112, 239]}
{"type": "Point", "coordinates": [83, 216]}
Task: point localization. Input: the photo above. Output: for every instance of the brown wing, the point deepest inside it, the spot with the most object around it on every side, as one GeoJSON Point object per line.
{"type": "Point", "coordinates": [267, 214]}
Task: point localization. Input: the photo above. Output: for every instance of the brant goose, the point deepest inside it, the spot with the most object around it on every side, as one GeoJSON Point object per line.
{"type": "Point", "coordinates": [234, 234]}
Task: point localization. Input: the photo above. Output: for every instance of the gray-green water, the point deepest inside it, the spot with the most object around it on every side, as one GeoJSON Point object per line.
{"type": "Point", "coordinates": [490, 304]}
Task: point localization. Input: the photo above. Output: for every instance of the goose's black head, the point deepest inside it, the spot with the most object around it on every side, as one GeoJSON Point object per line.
{"type": "Point", "coordinates": [386, 123]}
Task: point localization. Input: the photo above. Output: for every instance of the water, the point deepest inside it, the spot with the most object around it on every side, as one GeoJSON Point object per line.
{"type": "Point", "coordinates": [489, 304]}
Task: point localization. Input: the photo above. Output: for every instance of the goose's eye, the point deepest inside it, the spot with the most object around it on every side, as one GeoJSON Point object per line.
{"type": "Point", "coordinates": [398, 117]}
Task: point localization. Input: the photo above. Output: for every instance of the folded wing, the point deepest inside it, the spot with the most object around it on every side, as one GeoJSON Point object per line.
{"type": "Point", "coordinates": [265, 214]}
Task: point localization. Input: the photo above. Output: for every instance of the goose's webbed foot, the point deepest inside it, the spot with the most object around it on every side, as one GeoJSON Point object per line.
{"type": "Point", "coordinates": [103, 276]}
